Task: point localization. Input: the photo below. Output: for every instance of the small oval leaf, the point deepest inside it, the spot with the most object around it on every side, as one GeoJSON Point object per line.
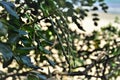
{"type": "Point", "coordinates": [95, 19]}
{"type": "Point", "coordinates": [95, 8]}
{"type": "Point", "coordinates": [94, 14]}
{"type": "Point", "coordinates": [95, 23]}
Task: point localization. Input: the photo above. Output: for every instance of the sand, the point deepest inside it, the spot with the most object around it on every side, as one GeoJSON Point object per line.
{"type": "Point", "coordinates": [105, 19]}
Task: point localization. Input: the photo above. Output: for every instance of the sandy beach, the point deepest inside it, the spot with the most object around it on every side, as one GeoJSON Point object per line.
{"type": "Point", "coordinates": [105, 19]}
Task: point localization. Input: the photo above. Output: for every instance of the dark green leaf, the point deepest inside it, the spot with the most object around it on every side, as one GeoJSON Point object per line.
{"type": "Point", "coordinates": [85, 14]}
{"type": "Point", "coordinates": [82, 17]}
{"type": "Point", "coordinates": [70, 12]}
{"type": "Point", "coordinates": [27, 48]}
{"type": "Point", "coordinates": [10, 4]}
{"type": "Point", "coordinates": [25, 60]}
{"type": "Point", "coordinates": [82, 12]}
{"type": "Point", "coordinates": [52, 63]}
{"type": "Point", "coordinates": [47, 21]}
{"type": "Point", "coordinates": [3, 29]}
{"type": "Point", "coordinates": [49, 72]}
{"type": "Point", "coordinates": [21, 32]}
{"type": "Point", "coordinates": [36, 76]}
{"type": "Point", "coordinates": [41, 77]}
{"type": "Point", "coordinates": [17, 1]}
{"type": "Point", "coordinates": [8, 7]}
{"type": "Point", "coordinates": [26, 41]}
{"type": "Point", "coordinates": [94, 14]}
{"type": "Point", "coordinates": [86, 10]}
{"type": "Point", "coordinates": [80, 27]}
{"type": "Point", "coordinates": [69, 5]}
{"type": "Point", "coordinates": [100, 0]}
{"type": "Point", "coordinates": [23, 50]}
{"type": "Point", "coordinates": [102, 4]}
{"type": "Point", "coordinates": [42, 58]}
{"type": "Point", "coordinates": [105, 7]}
{"type": "Point", "coordinates": [74, 18]}
{"type": "Point", "coordinates": [6, 53]}
{"type": "Point", "coordinates": [95, 8]}
{"type": "Point", "coordinates": [47, 51]}
{"type": "Point", "coordinates": [95, 19]}
{"type": "Point", "coordinates": [13, 38]}
{"type": "Point", "coordinates": [5, 64]}
{"type": "Point", "coordinates": [95, 23]}
{"type": "Point", "coordinates": [28, 29]}
{"type": "Point", "coordinates": [10, 69]}
{"type": "Point", "coordinates": [44, 50]}
{"type": "Point", "coordinates": [32, 77]}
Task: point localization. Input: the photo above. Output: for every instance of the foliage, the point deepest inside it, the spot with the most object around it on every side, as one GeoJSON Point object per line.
{"type": "Point", "coordinates": [117, 20]}
{"type": "Point", "coordinates": [32, 30]}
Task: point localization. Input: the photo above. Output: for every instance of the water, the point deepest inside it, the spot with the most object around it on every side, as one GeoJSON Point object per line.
{"type": "Point", "coordinates": [114, 6]}
{"type": "Point", "coordinates": [112, 1]}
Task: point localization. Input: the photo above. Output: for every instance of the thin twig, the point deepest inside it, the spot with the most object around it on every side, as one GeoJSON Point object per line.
{"type": "Point", "coordinates": [63, 50]}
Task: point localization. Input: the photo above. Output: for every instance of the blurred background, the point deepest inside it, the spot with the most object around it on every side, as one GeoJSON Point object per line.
{"type": "Point", "coordinates": [111, 17]}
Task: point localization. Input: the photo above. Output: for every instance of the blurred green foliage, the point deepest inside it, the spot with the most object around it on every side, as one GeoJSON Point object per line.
{"type": "Point", "coordinates": [34, 32]}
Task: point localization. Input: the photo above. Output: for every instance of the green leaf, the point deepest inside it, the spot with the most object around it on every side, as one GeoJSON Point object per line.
{"type": "Point", "coordinates": [26, 48]}
{"type": "Point", "coordinates": [23, 50]}
{"type": "Point", "coordinates": [44, 50]}
{"type": "Point", "coordinates": [21, 32]}
{"type": "Point", "coordinates": [5, 64]}
{"type": "Point", "coordinates": [95, 23]}
{"type": "Point", "coordinates": [26, 41]}
{"type": "Point", "coordinates": [78, 62]}
{"type": "Point", "coordinates": [69, 5]}
{"type": "Point", "coordinates": [6, 53]}
{"type": "Point", "coordinates": [13, 39]}
{"type": "Point", "coordinates": [113, 64]}
{"type": "Point", "coordinates": [95, 14]}
{"type": "Point", "coordinates": [32, 77]}
{"type": "Point", "coordinates": [95, 8]}
{"type": "Point", "coordinates": [116, 51]}
{"type": "Point", "coordinates": [44, 9]}
{"type": "Point", "coordinates": [96, 19]}
{"type": "Point", "coordinates": [3, 29]}
{"type": "Point", "coordinates": [42, 58]}
{"type": "Point", "coordinates": [36, 76]}
{"type": "Point", "coordinates": [52, 63]}
{"type": "Point", "coordinates": [102, 4]}
{"type": "Point", "coordinates": [47, 51]}
{"type": "Point", "coordinates": [70, 12]}
{"type": "Point", "coordinates": [74, 19]}
{"type": "Point", "coordinates": [105, 8]}
{"type": "Point", "coordinates": [41, 77]}
{"type": "Point", "coordinates": [8, 6]}
{"type": "Point", "coordinates": [100, 0]}
{"type": "Point", "coordinates": [25, 60]}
